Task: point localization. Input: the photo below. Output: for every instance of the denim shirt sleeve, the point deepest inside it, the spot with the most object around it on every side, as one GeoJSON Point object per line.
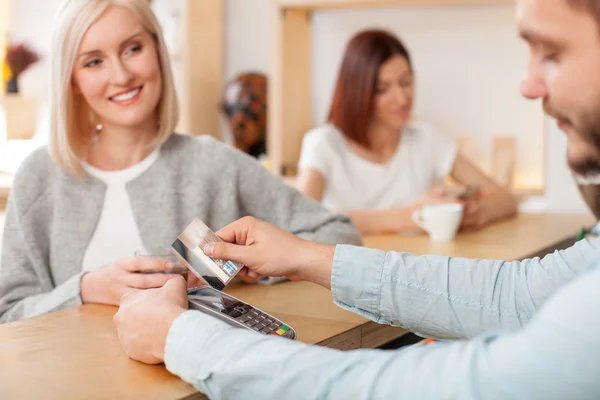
{"type": "Point", "coordinates": [451, 298]}
{"type": "Point", "coordinates": [554, 357]}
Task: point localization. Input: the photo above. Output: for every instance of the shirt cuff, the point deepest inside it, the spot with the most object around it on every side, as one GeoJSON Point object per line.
{"type": "Point", "coordinates": [356, 280]}
{"type": "Point", "coordinates": [184, 350]}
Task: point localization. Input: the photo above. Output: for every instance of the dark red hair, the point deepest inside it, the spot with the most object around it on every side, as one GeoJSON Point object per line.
{"type": "Point", "coordinates": [352, 102]}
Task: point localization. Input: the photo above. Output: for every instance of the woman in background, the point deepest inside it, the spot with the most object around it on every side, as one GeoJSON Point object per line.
{"type": "Point", "coordinates": [116, 179]}
{"type": "Point", "coordinates": [372, 162]}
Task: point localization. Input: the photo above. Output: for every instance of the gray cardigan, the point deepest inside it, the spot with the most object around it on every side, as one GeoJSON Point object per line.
{"type": "Point", "coordinates": [52, 215]}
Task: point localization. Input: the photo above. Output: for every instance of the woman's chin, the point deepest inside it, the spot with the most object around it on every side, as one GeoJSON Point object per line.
{"type": "Point", "coordinates": [398, 124]}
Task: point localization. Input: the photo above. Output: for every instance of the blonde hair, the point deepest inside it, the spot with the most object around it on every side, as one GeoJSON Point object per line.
{"type": "Point", "coordinates": [72, 121]}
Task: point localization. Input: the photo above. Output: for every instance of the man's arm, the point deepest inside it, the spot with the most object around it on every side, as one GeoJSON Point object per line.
{"type": "Point", "coordinates": [555, 357]}
{"type": "Point", "coordinates": [436, 296]}
{"type": "Point", "coordinates": [451, 298]}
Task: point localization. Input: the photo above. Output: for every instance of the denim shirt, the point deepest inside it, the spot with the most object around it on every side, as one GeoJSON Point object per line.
{"type": "Point", "coordinates": [526, 330]}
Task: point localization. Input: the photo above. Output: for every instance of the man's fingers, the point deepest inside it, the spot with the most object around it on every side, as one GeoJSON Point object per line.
{"type": "Point", "coordinates": [129, 297]}
{"type": "Point", "coordinates": [237, 232]}
{"type": "Point", "coordinates": [248, 279]}
{"type": "Point", "coordinates": [227, 251]}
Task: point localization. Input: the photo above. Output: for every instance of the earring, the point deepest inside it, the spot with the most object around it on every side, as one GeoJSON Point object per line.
{"type": "Point", "coordinates": [99, 128]}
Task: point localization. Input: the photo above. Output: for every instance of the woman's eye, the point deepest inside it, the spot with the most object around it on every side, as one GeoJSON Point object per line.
{"type": "Point", "coordinates": [93, 63]}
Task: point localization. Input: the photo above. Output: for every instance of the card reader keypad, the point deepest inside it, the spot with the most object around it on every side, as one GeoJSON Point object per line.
{"type": "Point", "coordinates": [258, 321]}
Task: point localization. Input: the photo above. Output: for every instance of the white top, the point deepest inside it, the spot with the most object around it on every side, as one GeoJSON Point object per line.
{"type": "Point", "coordinates": [423, 159]}
{"type": "Point", "coordinates": [116, 235]}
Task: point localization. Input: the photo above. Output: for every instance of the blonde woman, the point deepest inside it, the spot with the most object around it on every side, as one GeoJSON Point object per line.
{"type": "Point", "coordinates": [116, 179]}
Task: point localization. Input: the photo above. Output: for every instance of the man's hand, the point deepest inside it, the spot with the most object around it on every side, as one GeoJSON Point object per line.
{"type": "Point", "coordinates": [269, 251]}
{"type": "Point", "coordinates": [145, 317]}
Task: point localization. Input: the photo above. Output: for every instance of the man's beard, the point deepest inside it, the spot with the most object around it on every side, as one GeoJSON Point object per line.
{"type": "Point", "coordinates": [586, 169]}
{"type": "Point", "coordinates": [588, 126]}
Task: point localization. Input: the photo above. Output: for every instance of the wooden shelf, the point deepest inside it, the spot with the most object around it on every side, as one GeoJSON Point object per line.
{"type": "Point", "coordinates": [333, 4]}
{"type": "Point", "coordinates": [203, 66]}
{"type": "Point", "coordinates": [289, 89]}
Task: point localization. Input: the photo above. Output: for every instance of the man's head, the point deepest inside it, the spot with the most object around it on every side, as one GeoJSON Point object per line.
{"type": "Point", "coordinates": [564, 71]}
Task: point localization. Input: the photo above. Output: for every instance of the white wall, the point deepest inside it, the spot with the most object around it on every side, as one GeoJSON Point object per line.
{"type": "Point", "coordinates": [468, 62]}
{"type": "Point", "coordinates": [31, 21]}
{"type": "Point", "coordinates": [248, 33]}
{"type": "Point", "coordinates": [474, 45]}
{"type": "Point", "coordinates": [170, 15]}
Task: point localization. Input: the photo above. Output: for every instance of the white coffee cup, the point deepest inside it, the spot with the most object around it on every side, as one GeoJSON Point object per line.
{"type": "Point", "coordinates": [441, 221]}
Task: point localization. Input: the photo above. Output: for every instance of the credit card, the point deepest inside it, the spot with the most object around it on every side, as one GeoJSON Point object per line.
{"type": "Point", "coordinates": [188, 248]}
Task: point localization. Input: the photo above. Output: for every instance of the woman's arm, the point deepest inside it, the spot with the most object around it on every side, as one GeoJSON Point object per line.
{"type": "Point", "coordinates": [27, 289]}
{"type": "Point", "coordinates": [312, 183]}
{"type": "Point", "coordinates": [495, 202]}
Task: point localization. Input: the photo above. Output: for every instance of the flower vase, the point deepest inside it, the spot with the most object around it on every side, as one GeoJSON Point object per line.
{"type": "Point", "coordinates": [12, 85]}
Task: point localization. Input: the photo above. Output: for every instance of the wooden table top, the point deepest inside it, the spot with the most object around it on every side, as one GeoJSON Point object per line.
{"type": "Point", "coordinates": [75, 353]}
{"type": "Point", "coordinates": [506, 240]}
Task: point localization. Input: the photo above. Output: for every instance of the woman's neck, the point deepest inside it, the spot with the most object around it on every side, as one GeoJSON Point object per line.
{"type": "Point", "coordinates": [383, 139]}
{"type": "Point", "coordinates": [117, 147]}
{"type": "Point", "coordinates": [384, 142]}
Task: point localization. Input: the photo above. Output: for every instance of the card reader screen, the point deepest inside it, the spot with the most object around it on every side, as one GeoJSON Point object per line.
{"type": "Point", "coordinates": [215, 300]}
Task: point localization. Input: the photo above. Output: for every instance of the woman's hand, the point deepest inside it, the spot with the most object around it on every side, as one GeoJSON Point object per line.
{"type": "Point", "coordinates": [108, 284]}
{"type": "Point", "coordinates": [439, 195]}
{"type": "Point", "coordinates": [474, 216]}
